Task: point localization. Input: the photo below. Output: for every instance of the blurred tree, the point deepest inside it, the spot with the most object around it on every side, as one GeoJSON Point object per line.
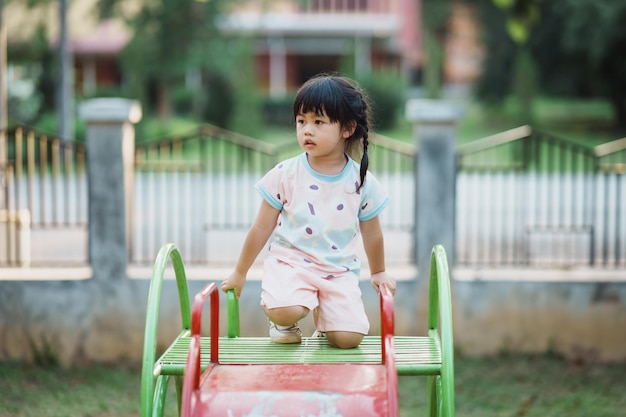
{"type": "Point", "coordinates": [594, 31]}
{"type": "Point", "coordinates": [3, 81]}
{"type": "Point", "coordinates": [435, 15]}
{"type": "Point", "coordinates": [521, 18]}
{"type": "Point", "coordinates": [4, 56]}
{"type": "Point", "coordinates": [168, 34]}
{"type": "Point", "coordinates": [494, 84]}
{"type": "Point", "coordinates": [62, 93]}
{"type": "Point", "coordinates": [236, 64]}
{"type": "Point", "coordinates": [576, 48]}
{"type": "Point", "coordinates": [65, 80]}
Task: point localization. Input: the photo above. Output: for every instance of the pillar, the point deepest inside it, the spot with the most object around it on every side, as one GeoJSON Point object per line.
{"type": "Point", "coordinates": [435, 133]}
{"type": "Point", "coordinates": [110, 154]}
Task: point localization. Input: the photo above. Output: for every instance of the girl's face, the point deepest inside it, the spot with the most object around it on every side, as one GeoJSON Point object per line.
{"type": "Point", "coordinates": [319, 137]}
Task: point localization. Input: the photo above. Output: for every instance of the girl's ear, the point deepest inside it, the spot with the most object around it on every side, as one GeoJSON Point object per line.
{"type": "Point", "coordinates": [349, 130]}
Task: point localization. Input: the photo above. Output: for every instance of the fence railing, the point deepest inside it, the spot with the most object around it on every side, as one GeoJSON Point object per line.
{"type": "Point", "coordinates": [199, 188]}
{"type": "Point", "coordinates": [525, 197]}
{"type": "Point", "coordinates": [45, 192]}
{"type": "Point", "coordinates": [347, 6]}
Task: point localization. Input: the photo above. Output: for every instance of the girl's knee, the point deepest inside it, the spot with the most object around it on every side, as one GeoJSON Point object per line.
{"type": "Point", "coordinates": [344, 340]}
{"type": "Point", "coordinates": [286, 316]}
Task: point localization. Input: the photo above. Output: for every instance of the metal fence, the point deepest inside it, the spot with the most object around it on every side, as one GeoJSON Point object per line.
{"type": "Point", "coordinates": [525, 197]}
{"type": "Point", "coordinates": [45, 193]}
{"type": "Point", "coordinates": [197, 190]}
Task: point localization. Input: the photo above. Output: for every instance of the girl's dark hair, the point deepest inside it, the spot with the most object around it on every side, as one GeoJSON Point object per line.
{"type": "Point", "coordinates": [342, 101]}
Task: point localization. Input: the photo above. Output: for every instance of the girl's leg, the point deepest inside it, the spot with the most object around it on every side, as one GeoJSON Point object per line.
{"type": "Point", "coordinates": [286, 316]}
{"type": "Point", "coordinates": [344, 340]}
{"type": "Point", "coordinates": [284, 323]}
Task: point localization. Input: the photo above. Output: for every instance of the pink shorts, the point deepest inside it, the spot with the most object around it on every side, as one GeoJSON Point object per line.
{"type": "Point", "coordinates": [339, 298]}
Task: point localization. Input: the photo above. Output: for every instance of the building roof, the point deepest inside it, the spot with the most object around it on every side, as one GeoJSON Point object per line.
{"type": "Point", "coordinates": [108, 38]}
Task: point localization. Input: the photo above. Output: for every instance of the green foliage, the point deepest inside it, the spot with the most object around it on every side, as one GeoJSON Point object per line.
{"type": "Point", "coordinates": [494, 84]}
{"type": "Point", "coordinates": [182, 99]}
{"type": "Point", "coordinates": [107, 8]}
{"type": "Point", "coordinates": [524, 85]}
{"type": "Point", "coordinates": [238, 62]}
{"type": "Point", "coordinates": [108, 92]}
{"type": "Point", "coordinates": [167, 35]}
{"type": "Point", "coordinates": [278, 112]}
{"type": "Point", "coordinates": [522, 15]}
{"type": "Point", "coordinates": [150, 127]}
{"type": "Point", "coordinates": [433, 69]}
{"type": "Point", "coordinates": [435, 15]}
{"type": "Point", "coordinates": [44, 353]}
{"type": "Point", "coordinates": [37, 58]}
{"type": "Point", "coordinates": [23, 109]}
{"type": "Point", "coordinates": [385, 89]}
{"type": "Point", "coordinates": [572, 57]}
{"type": "Point", "coordinates": [595, 30]}
{"type": "Point", "coordinates": [49, 121]}
{"type": "Point", "coordinates": [218, 99]}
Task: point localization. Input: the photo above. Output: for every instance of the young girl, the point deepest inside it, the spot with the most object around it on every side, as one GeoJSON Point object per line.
{"type": "Point", "coordinates": [316, 205]}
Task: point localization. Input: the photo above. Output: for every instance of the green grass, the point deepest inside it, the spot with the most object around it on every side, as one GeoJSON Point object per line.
{"type": "Point", "coordinates": [505, 386]}
{"type": "Point", "coordinates": [583, 121]}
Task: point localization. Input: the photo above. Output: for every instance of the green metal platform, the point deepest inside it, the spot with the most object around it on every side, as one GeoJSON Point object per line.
{"type": "Point", "coordinates": [415, 355]}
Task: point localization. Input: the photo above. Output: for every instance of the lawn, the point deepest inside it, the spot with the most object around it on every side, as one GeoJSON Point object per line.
{"type": "Point", "coordinates": [584, 121]}
{"type": "Point", "coordinates": [505, 386]}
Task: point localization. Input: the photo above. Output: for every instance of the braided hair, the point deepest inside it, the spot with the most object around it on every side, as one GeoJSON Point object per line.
{"type": "Point", "coordinates": [343, 102]}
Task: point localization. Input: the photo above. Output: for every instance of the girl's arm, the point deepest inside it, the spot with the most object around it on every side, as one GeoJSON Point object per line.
{"type": "Point", "coordinates": [256, 239]}
{"type": "Point", "coordinates": [373, 243]}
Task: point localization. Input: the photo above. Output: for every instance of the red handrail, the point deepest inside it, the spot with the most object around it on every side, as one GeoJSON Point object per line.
{"type": "Point", "coordinates": [388, 350]}
{"type": "Point", "coordinates": [196, 316]}
{"type": "Point", "coordinates": [191, 379]}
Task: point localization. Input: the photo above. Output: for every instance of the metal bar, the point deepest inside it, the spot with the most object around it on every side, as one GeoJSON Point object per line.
{"type": "Point", "coordinates": [559, 177]}
{"type": "Point", "coordinates": [67, 171]}
{"type": "Point", "coordinates": [55, 181]}
{"type": "Point", "coordinates": [7, 191]}
{"type": "Point", "coordinates": [591, 191]}
{"type": "Point", "coordinates": [43, 156]}
{"type": "Point", "coordinates": [610, 147]}
{"type": "Point", "coordinates": [80, 172]}
{"type": "Point", "coordinates": [495, 140]}
{"type": "Point", "coordinates": [538, 187]}
{"type": "Point", "coordinates": [618, 202]}
{"type": "Point", "coordinates": [30, 169]}
{"type": "Point", "coordinates": [605, 237]}
{"type": "Point", "coordinates": [18, 166]}
{"type": "Point", "coordinates": [574, 195]}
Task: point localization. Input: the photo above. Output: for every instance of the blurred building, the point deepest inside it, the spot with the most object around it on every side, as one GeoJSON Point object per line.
{"type": "Point", "coordinates": [297, 39]}
{"type": "Point", "coordinates": [293, 39]}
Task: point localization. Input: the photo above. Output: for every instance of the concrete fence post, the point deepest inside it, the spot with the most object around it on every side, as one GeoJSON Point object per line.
{"type": "Point", "coordinates": [110, 154]}
{"type": "Point", "coordinates": [435, 134]}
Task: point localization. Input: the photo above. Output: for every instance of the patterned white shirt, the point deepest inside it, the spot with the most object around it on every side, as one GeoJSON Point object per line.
{"type": "Point", "coordinates": [319, 217]}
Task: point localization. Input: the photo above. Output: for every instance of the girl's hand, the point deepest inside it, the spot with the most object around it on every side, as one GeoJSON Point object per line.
{"type": "Point", "coordinates": [384, 277]}
{"type": "Point", "coordinates": [234, 280]}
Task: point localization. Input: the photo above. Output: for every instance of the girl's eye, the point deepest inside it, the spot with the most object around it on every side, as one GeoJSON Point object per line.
{"type": "Point", "coordinates": [319, 122]}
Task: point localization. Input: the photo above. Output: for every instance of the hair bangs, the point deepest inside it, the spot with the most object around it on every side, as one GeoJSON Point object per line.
{"type": "Point", "coordinates": [321, 97]}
